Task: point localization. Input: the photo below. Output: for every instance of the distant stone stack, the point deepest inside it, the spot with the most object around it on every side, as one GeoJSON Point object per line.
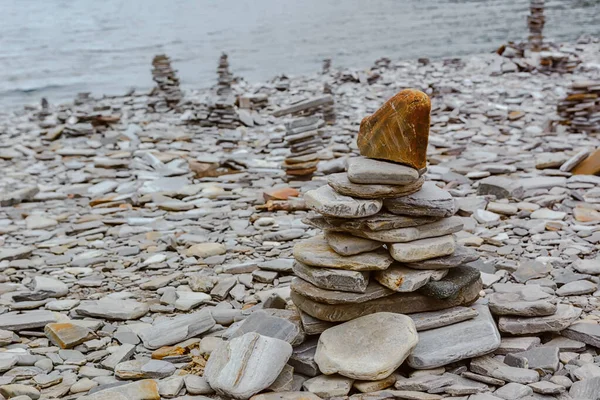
{"type": "Point", "coordinates": [326, 66]}
{"type": "Point", "coordinates": [303, 136]}
{"type": "Point", "coordinates": [166, 80]}
{"type": "Point", "coordinates": [580, 110]}
{"type": "Point", "coordinates": [558, 61]}
{"type": "Point", "coordinates": [320, 105]}
{"type": "Point", "coordinates": [225, 77]}
{"type": "Point", "coordinates": [222, 113]}
{"type": "Point", "coordinates": [535, 22]}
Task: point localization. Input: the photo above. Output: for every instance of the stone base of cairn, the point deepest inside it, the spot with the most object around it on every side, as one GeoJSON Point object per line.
{"type": "Point", "coordinates": [580, 110]}
{"type": "Point", "coordinates": [535, 22]}
{"type": "Point", "coordinates": [166, 80]}
{"type": "Point", "coordinates": [303, 136]}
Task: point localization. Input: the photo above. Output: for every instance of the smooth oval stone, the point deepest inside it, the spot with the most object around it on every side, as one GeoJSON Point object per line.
{"type": "Point", "coordinates": [343, 186]}
{"type": "Point", "coordinates": [333, 279]}
{"type": "Point", "coordinates": [401, 303]}
{"type": "Point", "coordinates": [399, 130]}
{"type": "Point", "coordinates": [344, 350]}
{"type": "Point", "coordinates": [423, 249]}
{"type": "Point", "coordinates": [429, 201]}
{"type": "Point", "coordinates": [368, 171]}
{"type": "Point", "coordinates": [317, 253]}
{"type": "Point", "coordinates": [326, 201]}
{"type": "Point", "coordinates": [349, 245]}
{"type": "Point", "coordinates": [442, 227]}
{"type": "Point", "coordinates": [462, 255]}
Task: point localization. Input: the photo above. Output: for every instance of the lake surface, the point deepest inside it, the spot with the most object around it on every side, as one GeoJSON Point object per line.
{"type": "Point", "coordinates": [57, 48]}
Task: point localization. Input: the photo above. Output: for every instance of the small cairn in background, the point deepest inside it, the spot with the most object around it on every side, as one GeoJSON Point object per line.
{"type": "Point", "coordinates": [167, 82]}
{"type": "Point", "coordinates": [535, 22]}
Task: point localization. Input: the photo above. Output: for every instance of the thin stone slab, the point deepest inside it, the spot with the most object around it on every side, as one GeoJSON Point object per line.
{"type": "Point", "coordinates": [303, 358]}
{"type": "Point", "coordinates": [327, 201]}
{"type": "Point", "coordinates": [429, 201]}
{"type": "Point", "coordinates": [113, 309]}
{"type": "Point", "coordinates": [437, 319]}
{"type": "Point", "coordinates": [442, 227]}
{"type": "Point", "coordinates": [369, 171]}
{"type": "Point", "coordinates": [401, 303]}
{"type": "Point", "coordinates": [317, 253]}
{"type": "Point", "coordinates": [378, 222]}
{"type": "Point", "coordinates": [543, 358]}
{"type": "Point", "coordinates": [588, 389]}
{"type": "Point", "coordinates": [584, 331]}
{"type": "Point", "coordinates": [246, 365]}
{"type": "Point", "coordinates": [462, 255]}
{"type": "Point", "coordinates": [442, 346]}
{"type": "Point", "coordinates": [342, 349]}
{"type": "Point", "coordinates": [171, 331]}
{"type": "Point", "coordinates": [453, 283]}
{"type": "Point", "coordinates": [333, 279]}
{"type": "Point", "coordinates": [423, 249]}
{"type": "Point", "coordinates": [26, 320]}
{"type": "Point", "coordinates": [527, 302]}
{"type": "Point", "coordinates": [404, 280]}
{"type": "Point", "coordinates": [348, 245]}
{"type": "Point", "coordinates": [342, 185]}
{"type": "Point", "coordinates": [271, 326]}
{"type": "Point", "coordinates": [373, 291]}
{"type": "Point", "coordinates": [565, 315]}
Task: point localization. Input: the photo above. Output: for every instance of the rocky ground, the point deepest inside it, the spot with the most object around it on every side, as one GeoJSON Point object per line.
{"type": "Point", "coordinates": [134, 243]}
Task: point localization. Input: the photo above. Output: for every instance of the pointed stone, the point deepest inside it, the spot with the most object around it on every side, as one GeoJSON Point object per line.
{"type": "Point", "coordinates": [399, 130]}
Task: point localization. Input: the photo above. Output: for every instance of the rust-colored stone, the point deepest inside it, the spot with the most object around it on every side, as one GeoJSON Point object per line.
{"type": "Point", "coordinates": [168, 351]}
{"type": "Point", "coordinates": [399, 130]}
{"type": "Point", "coordinates": [589, 166]}
{"type": "Point", "coordinates": [583, 214]}
{"type": "Point", "coordinates": [280, 193]}
{"type": "Point", "coordinates": [301, 172]}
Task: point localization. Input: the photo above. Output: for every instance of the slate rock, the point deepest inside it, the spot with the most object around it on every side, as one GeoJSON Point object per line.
{"type": "Point", "coordinates": [445, 226]}
{"type": "Point", "coordinates": [170, 331]}
{"type": "Point", "coordinates": [272, 326]}
{"type": "Point", "coordinates": [462, 255]}
{"type": "Point", "coordinates": [429, 201]}
{"type": "Point", "coordinates": [456, 280]}
{"type": "Point", "coordinates": [565, 315]}
{"type": "Point", "coordinates": [348, 245]}
{"type": "Point", "coordinates": [437, 319]}
{"type": "Point", "coordinates": [586, 332]}
{"type": "Point", "coordinates": [343, 186]}
{"type": "Point", "coordinates": [527, 302]}
{"type": "Point", "coordinates": [403, 280]}
{"type": "Point", "coordinates": [326, 201]}
{"type": "Point", "coordinates": [113, 309]}
{"type": "Point", "coordinates": [333, 279]}
{"type": "Point", "coordinates": [423, 249]}
{"type": "Point", "coordinates": [369, 171]}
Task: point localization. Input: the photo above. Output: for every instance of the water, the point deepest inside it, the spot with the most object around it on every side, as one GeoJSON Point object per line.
{"type": "Point", "coordinates": [56, 48]}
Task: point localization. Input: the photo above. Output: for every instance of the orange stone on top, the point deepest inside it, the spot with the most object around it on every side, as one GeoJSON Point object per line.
{"type": "Point", "coordinates": [399, 130]}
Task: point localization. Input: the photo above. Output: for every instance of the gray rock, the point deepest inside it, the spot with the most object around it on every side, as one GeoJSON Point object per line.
{"type": "Point", "coordinates": [445, 226]}
{"type": "Point", "coordinates": [588, 389]}
{"type": "Point", "coordinates": [378, 222]}
{"type": "Point", "coordinates": [526, 302]}
{"type": "Point", "coordinates": [120, 354]}
{"type": "Point", "coordinates": [343, 350]}
{"type": "Point", "coordinates": [272, 326]}
{"type": "Point", "coordinates": [591, 267]}
{"type": "Point", "coordinates": [14, 390]}
{"type": "Point", "coordinates": [195, 384]}
{"type": "Point", "coordinates": [544, 358]}
{"type": "Point", "coordinates": [140, 390]}
{"type": "Point", "coordinates": [441, 346]}
{"type": "Point", "coordinates": [113, 309]}
{"type": "Point", "coordinates": [374, 291]}
{"type": "Point", "coordinates": [170, 331]}
{"type": "Point", "coordinates": [303, 358]}
{"type": "Point", "coordinates": [348, 245]}
{"type": "Point", "coordinates": [586, 332]}
{"type": "Point", "coordinates": [326, 386]}
{"type": "Point", "coordinates": [462, 255]}
{"type": "Point", "coordinates": [144, 369]}
{"type": "Point", "coordinates": [326, 201]}
{"type": "Point", "coordinates": [545, 387]}
{"type": "Point", "coordinates": [342, 185]}
{"type": "Point", "coordinates": [513, 390]}
{"type": "Point", "coordinates": [531, 270]}
{"type": "Point", "coordinates": [423, 249]}
{"type": "Point", "coordinates": [500, 187]}
{"type": "Point", "coordinates": [429, 201]}
{"type": "Point", "coordinates": [246, 365]}
{"type": "Point", "coordinates": [455, 281]}
{"type": "Point", "coordinates": [577, 288]}
{"type": "Point", "coordinates": [333, 279]}
{"type": "Point", "coordinates": [565, 315]}
{"type": "Point", "coordinates": [437, 319]}
{"type": "Point", "coordinates": [26, 320]}
{"type": "Point", "coordinates": [369, 171]}
{"type": "Point", "coordinates": [404, 280]}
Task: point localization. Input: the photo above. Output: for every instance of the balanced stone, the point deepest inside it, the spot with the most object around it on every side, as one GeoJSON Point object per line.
{"type": "Point", "coordinates": [423, 249]}
{"type": "Point", "coordinates": [342, 185]}
{"type": "Point", "coordinates": [272, 326]}
{"type": "Point", "coordinates": [246, 365]}
{"type": "Point", "coordinates": [333, 279]}
{"type": "Point", "coordinates": [368, 171]}
{"type": "Point", "coordinates": [462, 255]}
{"type": "Point", "coordinates": [527, 302]}
{"type": "Point", "coordinates": [317, 253]}
{"type": "Point", "coordinates": [471, 338]}
{"type": "Point", "coordinates": [378, 222]}
{"type": "Point", "coordinates": [348, 245]}
{"type": "Point", "coordinates": [429, 201]}
{"type": "Point", "coordinates": [442, 227]}
{"type": "Point", "coordinates": [114, 309]}
{"type": "Point", "coordinates": [67, 335]}
{"type": "Point", "coordinates": [453, 283]}
{"type": "Point", "coordinates": [436, 319]}
{"type": "Point", "coordinates": [367, 348]}
{"type": "Point", "coordinates": [565, 315]}
{"type": "Point", "coordinates": [405, 280]}
{"type": "Point", "coordinates": [401, 303]}
{"type": "Point", "coordinates": [327, 201]}
{"type": "Point", "coordinates": [336, 296]}
{"type": "Point", "coordinates": [399, 130]}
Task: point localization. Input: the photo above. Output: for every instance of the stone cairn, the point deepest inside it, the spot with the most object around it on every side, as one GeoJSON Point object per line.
{"type": "Point", "coordinates": [580, 110]}
{"type": "Point", "coordinates": [304, 137]}
{"type": "Point", "coordinates": [535, 22]}
{"type": "Point", "coordinates": [221, 110]}
{"type": "Point", "coordinates": [167, 82]}
{"type": "Point", "coordinates": [225, 77]}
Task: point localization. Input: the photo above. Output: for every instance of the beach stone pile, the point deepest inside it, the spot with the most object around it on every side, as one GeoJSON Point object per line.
{"type": "Point", "coordinates": [304, 138]}
{"type": "Point", "coordinates": [535, 22]}
{"type": "Point", "coordinates": [580, 110]}
{"type": "Point", "coordinates": [225, 77]}
{"type": "Point", "coordinates": [167, 82]}
{"type": "Point", "coordinates": [317, 106]}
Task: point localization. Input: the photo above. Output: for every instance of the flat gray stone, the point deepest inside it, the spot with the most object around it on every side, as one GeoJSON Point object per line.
{"type": "Point", "coordinates": [170, 331]}
{"type": "Point", "coordinates": [442, 346]}
{"type": "Point", "coordinates": [8, 254]}
{"type": "Point", "coordinates": [526, 302]}
{"type": "Point", "coordinates": [517, 344]}
{"type": "Point", "coordinates": [437, 319]}
{"type": "Point", "coordinates": [326, 386]}
{"type": "Point", "coordinates": [26, 320]}
{"type": "Point", "coordinates": [342, 185]}
{"type": "Point", "coordinates": [423, 249]}
{"type": "Point", "coordinates": [403, 280]}
{"type": "Point", "coordinates": [326, 201]}
{"type": "Point", "coordinates": [577, 288]}
{"type": "Point", "coordinates": [565, 315]}
{"type": "Point", "coordinates": [333, 279]}
{"type": "Point", "coordinates": [369, 171]}
{"type": "Point", "coordinates": [144, 368]}
{"type": "Point", "coordinates": [246, 365]}
{"type": "Point", "coordinates": [429, 201]}
{"type": "Point", "coordinates": [500, 187]}
{"type": "Point", "coordinates": [348, 245]}
{"type": "Point", "coordinates": [342, 349]}
{"type": "Point", "coordinates": [303, 358]}
{"type": "Point", "coordinates": [113, 309]}
{"type": "Point", "coordinates": [372, 291]}
{"type": "Point", "coordinates": [445, 226]}
{"type": "Point", "coordinates": [455, 281]}
{"type": "Point", "coordinates": [462, 255]}
{"type": "Point", "coordinates": [378, 222]}
{"type": "Point", "coordinates": [591, 266]}
{"type": "Point", "coordinates": [544, 358]}
{"type": "Point", "coordinates": [528, 270]}
{"type": "Point", "coordinates": [316, 252]}
{"type": "Point", "coordinates": [584, 331]}
{"type": "Point", "coordinates": [272, 326]}
{"type": "Point", "coordinates": [513, 390]}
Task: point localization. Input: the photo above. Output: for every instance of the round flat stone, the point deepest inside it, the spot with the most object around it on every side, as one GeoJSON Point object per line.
{"type": "Point", "coordinates": [327, 201]}
{"type": "Point", "coordinates": [368, 171]}
{"type": "Point", "coordinates": [343, 186]}
{"type": "Point", "coordinates": [462, 255]}
{"type": "Point", "coordinates": [367, 348]}
{"type": "Point", "coordinates": [316, 252]}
